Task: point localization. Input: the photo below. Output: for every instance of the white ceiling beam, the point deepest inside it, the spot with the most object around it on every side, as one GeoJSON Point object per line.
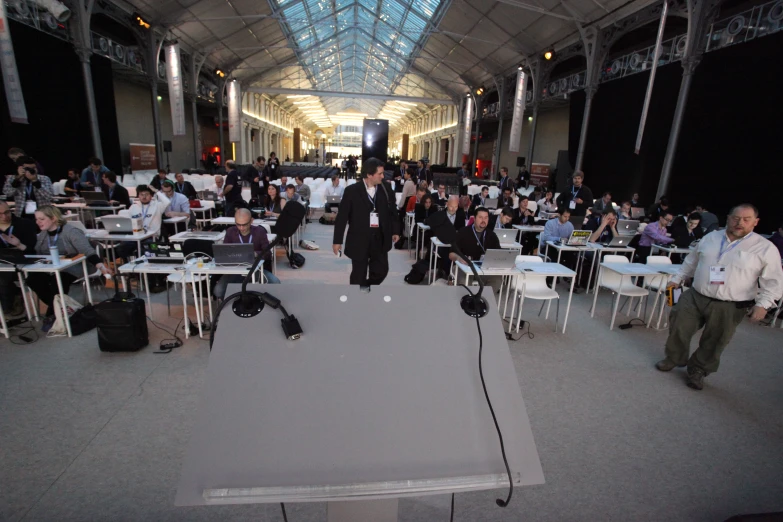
{"type": "Point", "coordinates": [539, 10]}
{"type": "Point", "coordinates": [357, 95]}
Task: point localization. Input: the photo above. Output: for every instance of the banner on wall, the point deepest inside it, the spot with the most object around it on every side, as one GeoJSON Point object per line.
{"type": "Point", "coordinates": [142, 156]}
{"type": "Point", "coordinates": [13, 86]}
{"type": "Point", "coordinates": [519, 112]}
{"type": "Point", "coordinates": [234, 107]}
{"type": "Point", "coordinates": [539, 174]}
{"type": "Point", "coordinates": [176, 97]}
{"type": "Point", "coordinates": [467, 126]}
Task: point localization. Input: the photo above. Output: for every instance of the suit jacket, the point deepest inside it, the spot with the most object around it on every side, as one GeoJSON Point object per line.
{"type": "Point", "coordinates": [521, 219]}
{"type": "Point", "coordinates": [355, 208]}
{"type": "Point", "coordinates": [119, 194]}
{"type": "Point", "coordinates": [505, 182]}
{"type": "Point", "coordinates": [187, 190]}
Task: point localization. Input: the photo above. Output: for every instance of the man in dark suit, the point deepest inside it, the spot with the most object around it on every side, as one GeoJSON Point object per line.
{"type": "Point", "coordinates": [370, 211]}
{"type": "Point", "coordinates": [504, 180]}
{"type": "Point", "coordinates": [115, 193]}
{"type": "Point", "coordinates": [423, 173]}
{"type": "Point", "coordinates": [479, 199]}
{"type": "Point", "coordinates": [185, 187]}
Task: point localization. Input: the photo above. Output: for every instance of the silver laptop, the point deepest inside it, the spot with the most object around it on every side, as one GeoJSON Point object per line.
{"type": "Point", "coordinates": [578, 238]}
{"type": "Point", "coordinates": [491, 203]}
{"type": "Point", "coordinates": [619, 241]}
{"type": "Point", "coordinates": [333, 199]}
{"type": "Point", "coordinates": [502, 259]}
{"type": "Point", "coordinates": [627, 227]}
{"type": "Point", "coordinates": [117, 224]}
{"type": "Point", "coordinates": [637, 212]}
{"type": "Point", "coordinates": [209, 235]}
{"type": "Point", "coordinates": [506, 236]}
{"type": "Point", "coordinates": [233, 254]}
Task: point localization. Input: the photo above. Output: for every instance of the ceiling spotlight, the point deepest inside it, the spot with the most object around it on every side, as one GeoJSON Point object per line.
{"type": "Point", "coordinates": [480, 91]}
{"type": "Point", "coordinates": [519, 68]}
{"type": "Point", "coordinates": [219, 73]}
{"type": "Point", "coordinates": [549, 55]}
{"type": "Point", "coordinates": [141, 22]}
{"type": "Point", "coordinates": [529, 118]}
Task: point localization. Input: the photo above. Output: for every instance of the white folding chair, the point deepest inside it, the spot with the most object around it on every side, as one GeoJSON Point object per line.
{"type": "Point", "coordinates": [654, 284]}
{"type": "Point", "coordinates": [93, 278]}
{"type": "Point", "coordinates": [533, 286]}
{"type": "Point", "coordinates": [617, 284]}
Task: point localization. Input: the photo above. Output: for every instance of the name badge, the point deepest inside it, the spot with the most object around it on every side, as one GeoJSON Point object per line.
{"type": "Point", "coordinates": [572, 204]}
{"type": "Point", "coordinates": [717, 275]}
{"type": "Point", "coordinates": [374, 220]}
{"type": "Point", "coordinates": [30, 207]}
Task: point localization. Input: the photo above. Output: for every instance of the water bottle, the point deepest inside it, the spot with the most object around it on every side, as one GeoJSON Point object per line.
{"type": "Point", "coordinates": [55, 253]}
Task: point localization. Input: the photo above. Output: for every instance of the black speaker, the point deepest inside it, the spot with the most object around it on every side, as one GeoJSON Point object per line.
{"type": "Point", "coordinates": [166, 146]}
{"type": "Point", "coordinates": [521, 161]}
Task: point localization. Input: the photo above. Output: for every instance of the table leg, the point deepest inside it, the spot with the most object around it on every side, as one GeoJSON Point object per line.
{"type": "Point", "coordinates": [592, 267]}
{"type": "Point", "coordinates": [3, 325]}
{"type": "Point", "coordinates": [87, 279]}
{"type": "Point", "coordinates": [568, 307]}
{"type": "Point", "coordinates": [185, 309]}
{"type": "Point", "coordinates": [197, 303]}
{"type": "Point", "coordinates": [514, 301]}
{"type": "Point", "coordinates": [62, 303]}
{"type": "Point", "coordinates": [23, 288]}
{"type": "Point", "coordinates": [209, 299]}
{"type": "Point", "coordinates": [429, 265]}
{"type": "Point", "coordinates": [147, 289]}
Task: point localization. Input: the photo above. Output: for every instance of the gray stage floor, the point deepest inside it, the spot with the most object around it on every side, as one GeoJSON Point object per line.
{"type": "Point", "coordinates": [91, 436]}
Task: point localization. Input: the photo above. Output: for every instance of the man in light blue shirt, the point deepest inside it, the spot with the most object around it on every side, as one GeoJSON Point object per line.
{"type": "Point", "coordinates": [180, 204]}
{"type": "Point", "coordinates": [558, 228]}
{"type": "Point", "coordinates": [91, 176]}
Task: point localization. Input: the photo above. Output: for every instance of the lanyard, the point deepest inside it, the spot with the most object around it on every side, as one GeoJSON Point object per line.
{"type": "Point", "coordinates": [111, 193]}
{"type": "Point", "coordinates": [144, 213]}
{"type": "Point", "coordinates": [8, 232]}
{"type": "Point", "coordinates": [575, 192]}
{"type": "Point", "coordinates": [372, 199]}
{"type": "Point", "coordinates": [181, 188]}
{"type": "Point", "coordinates": [29, 189]}
{"type": "Point", "coordinates": [480, 241]}
{"type": "Point", "coordinates": [721, 252]}
{"type": "Point", "coordinates": [57, 235]}
{"type": "Point", "coordinates": [271, 206]}
{"type": "Point", "coordinates": [250, 240]}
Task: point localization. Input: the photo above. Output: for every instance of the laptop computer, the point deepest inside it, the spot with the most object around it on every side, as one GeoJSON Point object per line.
{"type": "Point", "coordinates": [627, 227]}
{"type": "Point", "coordinates": [619, 241]}
{"type": "Point", "coordinates": [637, 212]}
{"type": "Point", "coordinates": [491, 203]}
{"type": "Point", "coordinates": [95, 199]}
{"type": "Point", "coordinates": [210, 196]}
{"type": "Point", "coordinates": [578, 238]}
{"type": "Point", "coordinates": [333, 199]}
{"type": "Point", "coordinates": [117, 224]}
{"type": "Point", "coordinates": [233, 254]}
{"type": "Point", "coordinates": [499, 259]}
{"type": "Point", "coordinates": [506, 236]}
{"type": "Point", "coordinates": [170, 253]}
{"type": "Point", "coordinates": [15, 257]}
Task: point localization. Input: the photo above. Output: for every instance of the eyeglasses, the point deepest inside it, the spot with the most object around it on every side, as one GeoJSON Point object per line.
{"type": "Point", "coordinates": [5, 212]}
{"type": "Point", "coordinates": [737, 219]}
{"type": "Point", "coordinates": [244, 224]}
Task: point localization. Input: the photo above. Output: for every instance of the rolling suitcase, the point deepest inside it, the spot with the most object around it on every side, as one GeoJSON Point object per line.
{"type": "Point", "coordinates": [122, 324]}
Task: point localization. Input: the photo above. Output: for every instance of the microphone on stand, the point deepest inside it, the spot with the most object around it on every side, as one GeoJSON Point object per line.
{"type": "Point", "coordinates": [473, 304]}
{"type": "Point", "coordinates": [251, 304]}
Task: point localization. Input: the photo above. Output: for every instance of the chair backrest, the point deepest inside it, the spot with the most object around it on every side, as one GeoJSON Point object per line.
{"type": "Point", "coordinates": [528, 259]}
{"type": "Point", "coordinates": [197, 245]}
{"type": "Point", "coordinates": [656, 280]}
{"type": "Point", "coordinates": [610, 277]}
{"type": "Point", "coordinates": [658, 260]}
{"type": "Point", "coordinates": [530, 281]}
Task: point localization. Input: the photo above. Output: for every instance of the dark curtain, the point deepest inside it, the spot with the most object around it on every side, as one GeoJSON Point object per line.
{"type": "Point", "coordinates": [58, 133]}
{"type": "Point", "coordinates": [730, 144]}
{"type": "Point", "coordinates": [575, 118]}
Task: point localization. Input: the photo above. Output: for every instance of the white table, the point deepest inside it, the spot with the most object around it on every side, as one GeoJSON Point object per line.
{"type": "Point", "coordinates": [522, 229]}
{"type": "Point", "coordinates": [550, 270]}
{"type": "Point", "coordinates": [4, 267]}
{"type": "Point", "coordinates": [205, 211]}
{"type": "Point", "coordinates": [562, 247]}
{"type": "Point", "coordinates": [436, 243]}
{"type": "Point", "coordinates": [410, 219]}
{"type": "Point", "coordinates": [632, 270]}
{"type": "Point", "coordinates": [145, 268]}
{"type": "Point", "coordinates": [421, 228]}
{"type": "Point", "coordinates": [80, 208]}
{"type": "Point", "coordinates": [48, 268]}
{"type": "Point", "coordinates": [232, 221]}
{"type": "Point", "coordinates": [511, 245]}
{"type": "Point", "coordinates": [198, 234]}
{"type": "Point", "coordinates": [670, 249]}
{"type": "Point", "coordinates": [600, 250]}
{"type": "Point", "coordinates": [666, 271]}
{"type": "Point", "coordinates": [103, 235]}
{"type": "Point", "coordinates": [176, 221]}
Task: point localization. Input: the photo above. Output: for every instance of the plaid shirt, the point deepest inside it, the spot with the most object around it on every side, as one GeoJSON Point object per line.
{"type": "Point", "coordinates": [43, 195]}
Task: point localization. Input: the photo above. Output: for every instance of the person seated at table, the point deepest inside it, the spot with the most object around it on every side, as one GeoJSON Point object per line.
{"type": "Point", "coordinates": [150, 210]}
{"type": "Point", "coordinates": [547, 203]}
{"type": "Point", "coordinates": [603, 226]}
{"type": "Point", "coordinates": [70, 241]}
{"type": "Point", "coordinates": [302, 190]}
{"type": "Point", "coordinates": [416, 199]}
{"type": "Point", "coordinates": [15, 234]}
{"type": "Point", "coordinates": [625, 211]}
{"type": "Point", "coordinates": [334, 189]}
{"type": "Point", "coordinates": [425, 208]}
{"type": "Point", "coordinates": [604, 203]}
{"type": "Point", "coordinates": [115, 193]}
{"type": "Point", "coordinates": [475, 240]}
{"type": "Point", "coordinates": [558, 228]}
{"type": "Point", "coordinates": [454, 213]}
{"type": "Point", "coordinates": [655, 211]}
{"type": "Point", "coordinates": [291, 195]}
{"type": "Point", "coordinates": [71, 187]}
{"type": "Point", "coordinates": [217, 187]}
{"type": "Point", "coordinates": [273, 203]}
{"type": "Point", "coordinates": [91, 175]}
{"type": "Point", "coordinates": [179, 205]}
{"type": "Point", "coordinates": [244, 232]}
{"type": "Point", "coordinates": [185, 188]}
{"type": "Point", "coordinates": [502, 220]}
{"type": "Point", "coordinates": [156, 182]}
{"type": "Point", "coordinates": [283, 185]}
{"type": "Point", "coordinates": [440, 198]}
{"type": "Point", "coordinates": [481, 198]}
{"type": "Point", "coordinates": [466, 205]}
{"type": "Point", "coordinates": [685, 235]}
{"type": "Point", "coordinates": [523, 215]}
{"type": "Point", "coordinates": [507, 198]}
{"type": "Point", "coordinates": [709, 221]}
{"type": "Point", "coordinates": [655, 233]}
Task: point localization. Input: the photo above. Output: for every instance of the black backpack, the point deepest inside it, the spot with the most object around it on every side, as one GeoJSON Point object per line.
{"type": "Point", "coordinates": [296, 260]}
{"type": "Point", "coordinates": [417, 273]}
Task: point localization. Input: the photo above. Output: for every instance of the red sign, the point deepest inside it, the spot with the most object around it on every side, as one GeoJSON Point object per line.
{"type": "Point", "coordinates": [539, 174]}
{"type": "Point", "coordinates": [142, 156]}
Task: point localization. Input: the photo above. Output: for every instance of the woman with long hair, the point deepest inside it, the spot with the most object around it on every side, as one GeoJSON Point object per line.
{"type": "Point", "coordinates": [273, 203]}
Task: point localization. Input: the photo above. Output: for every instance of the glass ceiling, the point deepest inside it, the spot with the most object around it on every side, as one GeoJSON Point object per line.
{"type": "Point", "coordinates": [356, 45]}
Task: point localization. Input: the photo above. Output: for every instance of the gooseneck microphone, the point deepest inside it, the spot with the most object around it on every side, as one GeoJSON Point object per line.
{"type": "Point", "coordinates": [473, 304]}
{"type": "Point", "coordinates": [251, 304]}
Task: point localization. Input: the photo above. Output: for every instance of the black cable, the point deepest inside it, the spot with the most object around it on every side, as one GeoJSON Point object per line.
{"type": "Point", "coordinates": [282, 507]}
{"type": "Point", "coordinates": [498, 501]}
{"type": "Point", "coordinates": [451, 518]}
{"type": "Point", "coordinates": [30, 328]}
{"type": "Point", "coordinates": [528, 333]}
{"type": "Point", "coordinates": [630, 324]}
{"type": "Point", "coordinates": [174, 338]}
